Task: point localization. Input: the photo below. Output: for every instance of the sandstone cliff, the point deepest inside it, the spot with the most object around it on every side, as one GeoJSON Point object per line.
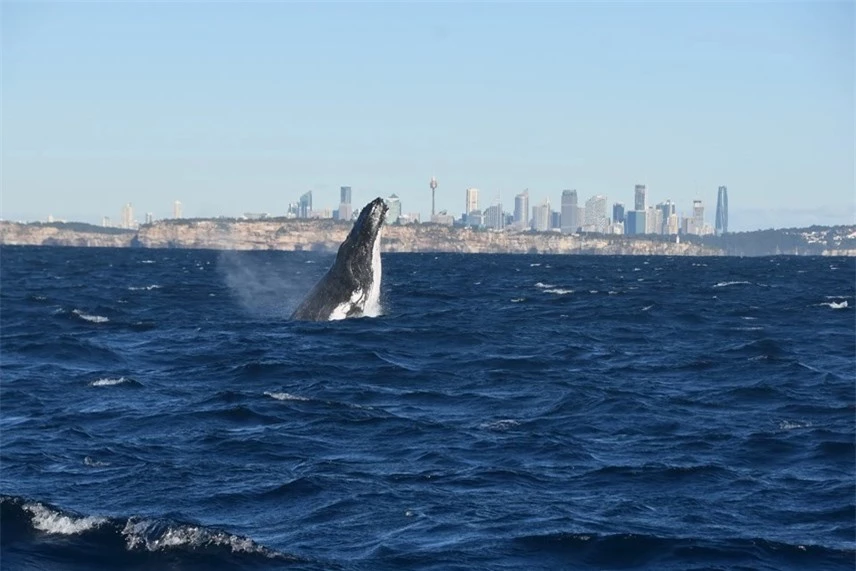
{"type": "Point", "coordinates": [326, 235]}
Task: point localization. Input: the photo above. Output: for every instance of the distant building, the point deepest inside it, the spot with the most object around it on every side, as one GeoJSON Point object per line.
{"type": "Point", "coordinates": [472, 200]}
{"type": "Point", "coordinates": [555, 220]}
{"type": "Point", "coordinates": [494, 218]}
{"type": "Point", "coordinates": [639, 197]}
{"type": "Point", "coordinates": [596, 220]}
{"type": "Point", "coordinates": [569, 223]}
{"type": "Point", "coordinates": [443, 217]}
{"type": "Point", "coordinates": [150, 217]}
{"type": "Point", "coordinates": [698, 213]}
{"type": "Point", "coordinates": [722, 211]}
{"type": "Point", "coordinates": [695, 223]}
{"type": "Point", "coordinates": [521, 210]}
{"type": "Point", "coordinates": [293, 210]}
{"type": "Point", "coordinates": [345, 209]}
{"type": "Point", "coordinates": [670, 225]}
{"type": "Point", "coordinates": [635, 223]}
{"type": "Point", "coordinates": [304, 209]}
{"type": "Point", "coordinates": [176, 209]}
{"type": "Point", "coordinates": [653, 220]}
{"type": "Point", "coordinates": [541, 217]}
{"type": "Point", "coordinates": [128, 216]}
{"type": "Point", "coordinates": [105, 222]}
{"type": "Point", "coordinates": [394, 212]}
{"type": "Point", "coordinates": [475, 218]}
{"type": "Point", "coordinates": [618, 212]}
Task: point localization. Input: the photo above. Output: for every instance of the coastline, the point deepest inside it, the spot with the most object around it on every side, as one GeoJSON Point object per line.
{"type": "Point", "coordinates": [326, 235]}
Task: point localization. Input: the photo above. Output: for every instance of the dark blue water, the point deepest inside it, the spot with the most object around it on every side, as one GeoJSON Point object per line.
{"type": "Point", "coordinates": [159, 411]}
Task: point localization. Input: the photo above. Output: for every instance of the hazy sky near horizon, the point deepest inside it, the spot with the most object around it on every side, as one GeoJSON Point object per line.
{"type": "Point", "coordinates": [236, 107]}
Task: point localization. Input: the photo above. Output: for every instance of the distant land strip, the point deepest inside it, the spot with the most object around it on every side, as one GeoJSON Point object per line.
{"type": "Point", "coordinates": [325, 236]}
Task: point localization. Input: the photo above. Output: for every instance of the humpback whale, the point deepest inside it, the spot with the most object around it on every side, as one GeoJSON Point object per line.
{"type": "Point", "coordinates": [351, 287]}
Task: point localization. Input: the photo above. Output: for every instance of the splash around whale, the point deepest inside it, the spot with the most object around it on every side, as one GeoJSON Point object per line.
{"type": "Point", "coordinates": [351, 287]}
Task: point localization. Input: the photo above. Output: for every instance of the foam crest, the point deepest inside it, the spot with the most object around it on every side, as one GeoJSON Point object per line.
{"type": "Point", "coordinates": [152, 535]}
{"type": "Point", "coordinates": [53, 521]}
{"type": "Point", "coordinates": [544, 286]}
{"type": "Point", "coordinates": [90, 318]}
{"type": "Point", "coordinates": [285, 396]}
{"type": "Point", "coordinates": [144, 288]}
{"type": "Point", "coordinates": [105, 382]}
{"type": "Point", "coordinates": [559, 291]}
{"type": "Point", "coordinates": [836, 304]}
{"type": "Point", "coordinates": [726, 284]}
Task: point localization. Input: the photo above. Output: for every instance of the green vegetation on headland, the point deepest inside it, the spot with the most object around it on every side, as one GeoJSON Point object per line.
{"type": "Point", "coordinates": [326, 235]}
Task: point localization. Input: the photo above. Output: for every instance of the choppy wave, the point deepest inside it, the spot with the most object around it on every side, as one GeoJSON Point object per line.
{"type": "Point", "coordinates": [482, 422]}
{"type": "Point", "coordinates": [90, 318]}
{"type": "Point", "coordinates": [285, 396]}
{"type": "Point", "coordinates": [108, 382]}
{"type": "Point", "coordinates": [732, 283]}
{"type": "Point", "coordinates": [104, 542]}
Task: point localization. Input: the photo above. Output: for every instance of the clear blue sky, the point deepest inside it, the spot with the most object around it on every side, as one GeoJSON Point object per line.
{"type": "Point", "coordinates": [233, 107]}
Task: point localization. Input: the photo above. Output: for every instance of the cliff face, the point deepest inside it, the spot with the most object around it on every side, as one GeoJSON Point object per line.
{"type": "Point", "coordinates": [326, 235]}
{"type": "Point", "coordinates": [15, 234]}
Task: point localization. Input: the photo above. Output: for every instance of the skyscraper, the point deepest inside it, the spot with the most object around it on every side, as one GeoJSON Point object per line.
{"type": "Point", "coordinates": [634, 223]}
{"type": "Point", "coordinates": [596, 220]}
{"type": "Point", "coordinates": [618, 212]}
{"type": "Point", "coordinates": [665, 211]}
{"type": "Point", "coordinates": [698, 213]}
{"type": "Point", "coordinates": [541, 217]}
{"type": "Point", "coordinates": [345, 209]}
{"type": "Point", "coordinates": [394, 204]}
{"type": "Point", "coordinates": [472, 200]}
{"type": "Point", "coordinates": [639, 196]}
{"type": "Point", "coordinates": [433, 186]}
{"type": "Point", "coordinates": [305, 208]}
{"type": "Point", "coordinates": [521, 210]}
{"type": "Point", "coordinates": [493, 217]}
{"type": "Point", "coordinates": [128, 216]}
{"type": "Point", "coordinates": [722, 211]}
{"type": "Point", "coordinates": [569, 212]}
{"type": "Point", "coordinates": [176, 209]}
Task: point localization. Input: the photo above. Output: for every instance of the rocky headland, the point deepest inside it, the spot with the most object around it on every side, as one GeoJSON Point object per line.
{"type": "Point", "coordinates": [326, 235]}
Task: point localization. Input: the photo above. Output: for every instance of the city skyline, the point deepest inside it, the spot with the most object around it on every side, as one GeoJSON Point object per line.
{"type": "Point", "coordinates": [500, 98]}
{"type": "Point", "coordinates": [567, 213]}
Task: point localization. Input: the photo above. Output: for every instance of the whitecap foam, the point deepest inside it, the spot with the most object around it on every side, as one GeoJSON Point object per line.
{"type": "Point", "coordinates": [145, 534]}
{"type": "Point", "coordinates": [647, 307]}
{"type": "Point", "coordinates": [285, 396]}
{"type": "Point", "coordinates": [836, 305]}
{"type": "Point", "coordinates": [52, 521]}
{"type": "Point", "coordinates": [559, 291]}
{"type": "Point", "coordinates": [500, 425]}
{"type": "Point", "coordinates": [792, 424]}
{"type": "Point", "coordinates": [105, 382]}
{"type": "Point", "coordinates": [725, 284]}
{"type": "Point", "coordinates": [518, 299]}
{"type": "Point", "coordinates": [146, 288]}
{"type": "Point", "coordinates": [147, 261]}
{"type": "Point", "coordinates": [544, 286]}
{"type": "Point", "coordinates": [90, 318]}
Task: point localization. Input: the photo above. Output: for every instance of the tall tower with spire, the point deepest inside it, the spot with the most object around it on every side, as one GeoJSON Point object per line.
{"type": "Point", "coordinates": [722, 211]}
{"type": "Point", "coordinates": [433, 185]}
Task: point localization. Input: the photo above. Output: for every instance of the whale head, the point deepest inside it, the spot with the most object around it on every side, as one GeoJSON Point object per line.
{"type": "Point", "coordinates": [351, 287]}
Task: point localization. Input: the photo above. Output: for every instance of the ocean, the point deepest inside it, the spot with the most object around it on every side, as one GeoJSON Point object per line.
{"type": "Point", "coordinates": [161, 411]}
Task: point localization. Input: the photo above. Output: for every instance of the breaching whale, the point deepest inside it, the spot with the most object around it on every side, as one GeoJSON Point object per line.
{"type": "Point", "coordinates": [351, 287]}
